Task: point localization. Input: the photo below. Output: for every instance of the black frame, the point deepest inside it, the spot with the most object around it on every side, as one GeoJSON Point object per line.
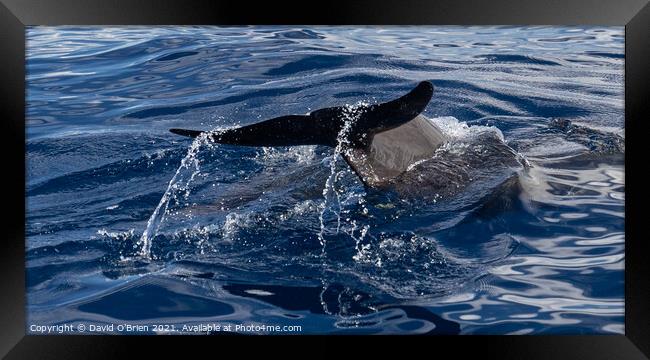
{"type": "Point", "coordinates": [633, 14]}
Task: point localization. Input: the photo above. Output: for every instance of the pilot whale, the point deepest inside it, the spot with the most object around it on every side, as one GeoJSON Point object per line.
{"type": "Point", "coordinates": [388, 145]}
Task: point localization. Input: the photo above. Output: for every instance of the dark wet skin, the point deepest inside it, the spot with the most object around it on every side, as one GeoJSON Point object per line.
{"type": "Point", "coordinates": [458, 164]}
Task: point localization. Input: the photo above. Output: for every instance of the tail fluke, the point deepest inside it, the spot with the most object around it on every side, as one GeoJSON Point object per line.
{"type": "Point", "coordinates": [381, 141]}
{"type": "Point", "coordinates": [322, 127]}
{"type": "Point", "coordinates": [185, 132]}
{"type": "Point", "coordinates": [289, 130]}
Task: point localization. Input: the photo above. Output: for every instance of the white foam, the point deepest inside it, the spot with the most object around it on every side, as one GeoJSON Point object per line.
{"type": "Point", "coordinates": [456, 129]}
{"type": "Point", "coordinates": [235, 222]}
{"type": "Point", "coordinates": [116, 234]}
{"type": "Point", "coordinates": [298, 154]}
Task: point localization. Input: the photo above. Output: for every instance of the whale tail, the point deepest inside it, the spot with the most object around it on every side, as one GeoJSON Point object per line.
{"type": "Point", "coordinates": [322, 127]}
{"type": "Point", "coordinates": [381, 141]}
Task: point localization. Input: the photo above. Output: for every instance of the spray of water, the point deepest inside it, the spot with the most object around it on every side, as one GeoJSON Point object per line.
{"type": "Point", "coordinates": [179, 185]}
{"type": "Point", "coordinates": [190, 167]}
{"type": "Point", "coordinates": [331, 195]}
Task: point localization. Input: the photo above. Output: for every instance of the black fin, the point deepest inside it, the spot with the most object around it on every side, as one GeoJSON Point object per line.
{"type": "Point", "coordinates": [322, 127]}
{"type": "Point", "coordinates": [288, 130]}
{"type": "Point", "coordinates": [184, 132]}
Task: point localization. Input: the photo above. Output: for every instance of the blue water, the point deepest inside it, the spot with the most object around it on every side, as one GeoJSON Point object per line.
{"type": "Point", "coordinates": [289, 236]}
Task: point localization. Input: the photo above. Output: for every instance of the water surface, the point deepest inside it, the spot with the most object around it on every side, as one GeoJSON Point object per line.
{"type": "Point", "coordinates": [289, 236]}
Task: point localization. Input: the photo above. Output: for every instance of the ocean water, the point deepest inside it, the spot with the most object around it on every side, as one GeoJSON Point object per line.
{"type": "Point", "coordinates": [128, 224]}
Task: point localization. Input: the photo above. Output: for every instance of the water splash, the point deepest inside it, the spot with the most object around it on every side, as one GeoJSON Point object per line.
{"type": "Point", "coordinates": [351, 114]}
{"type": "Point", "coordinates": [179, 184]}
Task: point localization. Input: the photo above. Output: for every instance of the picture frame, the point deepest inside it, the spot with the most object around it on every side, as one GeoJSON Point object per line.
{"type": "Point", "coordinates": [633, 14]}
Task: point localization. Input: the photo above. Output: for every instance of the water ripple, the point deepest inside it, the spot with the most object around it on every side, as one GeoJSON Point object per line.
{"type": "Point", "coordinates": [251, 237]}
